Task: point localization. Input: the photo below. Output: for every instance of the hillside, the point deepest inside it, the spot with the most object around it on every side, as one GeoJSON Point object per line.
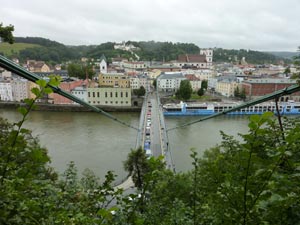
{"type": "Point", "coordinates": [13, 50]}
{"type": "Point", "coordinates": [286, 55]}
{"type": "Point", "coordinates": [255, 57]}
{"type": "Point", "coordinates": [54, 52]}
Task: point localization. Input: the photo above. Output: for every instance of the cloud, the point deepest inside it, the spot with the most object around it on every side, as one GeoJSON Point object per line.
{"type": "Point", "coordinates": [255, 24]}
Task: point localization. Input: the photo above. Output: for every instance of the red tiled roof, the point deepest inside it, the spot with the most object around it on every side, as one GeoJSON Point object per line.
{"type": "Point", "coordinates": [191, 58]}
{"type": "Point", "coordinates": [191, 77]}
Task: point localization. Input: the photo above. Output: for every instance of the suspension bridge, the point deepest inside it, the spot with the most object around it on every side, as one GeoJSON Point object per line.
{"type": "Point", "coordinates": [152, 133]}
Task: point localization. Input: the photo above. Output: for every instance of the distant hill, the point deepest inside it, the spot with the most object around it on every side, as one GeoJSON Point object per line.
{"type": "Point", "coordinates": [13, 50]}
{"type": "Point", "coordinates": [286, 55]}
{"type": "Point", "coordinates": [255, 57]}
{"type": "Point", "coordinates": [54, 52]}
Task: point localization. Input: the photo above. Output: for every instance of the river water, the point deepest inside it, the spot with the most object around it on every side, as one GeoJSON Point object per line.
{"type": "Point", "coordinates": [93, 141]}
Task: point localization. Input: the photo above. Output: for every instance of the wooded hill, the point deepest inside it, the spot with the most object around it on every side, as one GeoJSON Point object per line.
{"type": "Point", "coordinates": [54, 52]}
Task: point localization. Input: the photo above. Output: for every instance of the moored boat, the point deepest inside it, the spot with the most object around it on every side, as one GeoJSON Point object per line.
{"type": "Point", "coordinates": [205, 109]}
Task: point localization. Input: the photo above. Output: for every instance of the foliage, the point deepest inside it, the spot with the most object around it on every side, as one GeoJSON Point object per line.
{"type": "Point", "coordinates": [163, 51]}
{"type": "Point", "coordinates": [139, 92]}
{"type": "Point", "coordinates": [154, 83]}
{"type": "Point", "coordinates": [240, 93]}
{"type": "Point", "coordinates": [6, 33]}
{"type": "Point", "coordinates": [200, 92]}
{"type": "Point", "coordinates": [80, 71]}
{"type": "Point", "coordinates": [255, 57]}
{"type": "Point", "coordinates": [185, 90]}
{"type": "Point", "coordinates": [12, 50]}
{"type": "Point", "coordinates": [204, 84]}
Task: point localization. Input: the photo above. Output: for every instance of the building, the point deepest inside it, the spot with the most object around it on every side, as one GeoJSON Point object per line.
{"type": "Point", "coordinates": [129, 66]}
{"type": "Point", "coordinates": [80, 92]}
{"type": "Point", "coordinates": [117, 80]}
{"type": "Point", "coordinates": [6, 91]}
{"type": "Point", "coordinates": [226, 87]}
{"type": "Point", "coordinates": [195, 61]}
{"type": "Point", "coordinates": [109, 96]}
{"type": "Point", "coordinates": [20, 89]}
{"type": "Point", "coordinates": [135, 82]}
{"type": "Point", "coordinates": [255, 88]}
{"type": "Point", "coordinates": [68, 87]}
{"type": "Point", "coordinates": [195, 81]}
{"type": "Point", "coordinates": [103, 64]}
{"type": "Point", "coordinates": [37, 66]}
{"type": "Point", "coordinates": [169, 81]}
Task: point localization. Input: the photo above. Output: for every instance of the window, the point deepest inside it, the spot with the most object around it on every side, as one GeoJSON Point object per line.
{"type": "Point", "coordinates": [116, 102]}
{"type": "Point", "coordinates": [126, 94]}
{"type": "Point", "coordinates": [89, 94]}
{"type": "Point", "coordinates": [93, 94]}
{"type": "Point", "coordinates": [111, 94]}
{"type": "Point", "coordinates": [105, 94]}
{"type": "Point", "coordinates": [98, 94]}
{"type": "Point", "coordinates": [121, 94]}
{"type": "Point", "coordinates": [116, 94]}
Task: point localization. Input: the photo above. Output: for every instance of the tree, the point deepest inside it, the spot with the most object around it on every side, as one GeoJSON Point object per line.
{"type": "Point", "coordinates": [237, 92]}
{"type": "Point", "coordinates": [243, 94]}
{"type": "Point", "coordinates": [139, 92]}
{"type": "Point", "coordinates": [80, 71]}
{"type": "Point", "coordinates": [6, 33]}
{"type": "Point", "coordinates": [200, 92]}
{"type": "Point", "coordinates": [154, 83]}
{"type": "Point", "coordinates": [137, 166]}
{"type": "Point", "coordinates": [185, 90]}
{"type": "Point", "coordinates": [204, 84]}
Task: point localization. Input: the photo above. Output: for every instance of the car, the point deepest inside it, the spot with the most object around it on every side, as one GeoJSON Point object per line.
{"type": "Point", "coordinates": [148, 153]}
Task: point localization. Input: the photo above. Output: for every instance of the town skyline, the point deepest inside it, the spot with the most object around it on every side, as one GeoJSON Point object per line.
{"type": "Point", "coordinates": [256, 25]}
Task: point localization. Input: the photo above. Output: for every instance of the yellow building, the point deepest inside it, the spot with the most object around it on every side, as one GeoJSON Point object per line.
{"type": "Point", "coordinates": [109, 96]}
{"type": "Point", "coordinates": [115, 80]}
{"type": "Point", "coordinates": [226, 87]}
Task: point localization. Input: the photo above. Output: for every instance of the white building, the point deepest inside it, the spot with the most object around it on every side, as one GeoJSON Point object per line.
{"type": "Point", "coordinates": [80, 92]}
{"type": "Point", "coordinates": [131, 66]}
{"type": "Point", "coordinates": [6, 74]}
{"type": "Point", "coordinates": [6, 91]}
{"type": "Point", "coordinates": [20, 89]}
{"type": "Point", "coordinates": [169, 81]}
{"type": "Point", "coordinates": [208, 55]}
{"type": "Point", "coordinates": [135, 82]}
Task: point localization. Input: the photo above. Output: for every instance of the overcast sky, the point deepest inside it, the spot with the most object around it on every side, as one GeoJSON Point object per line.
{"type": "Point", "coordinates": [251, 24]}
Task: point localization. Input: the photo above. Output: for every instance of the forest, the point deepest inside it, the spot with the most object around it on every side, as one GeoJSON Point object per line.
{"type": "Point", "coordinates": [54, 52]}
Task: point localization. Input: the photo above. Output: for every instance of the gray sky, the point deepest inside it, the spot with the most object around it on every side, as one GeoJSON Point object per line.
{"type": "Point", "coordinates": [251, 24]}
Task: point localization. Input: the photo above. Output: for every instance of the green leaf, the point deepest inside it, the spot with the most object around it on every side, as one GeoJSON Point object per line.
{"type": "Point", "coordinates": [22, 110]}
{"type": "Point", "coordinates": [48, 90]}
{"type": "Point", "coordinates": [41, 83]}
{"type": "Point", "coordinates": [28, 101]}
{"type": "Point", "coordinates": [36, 91]}
{"type": "Point", "coordinates": [54, 80]}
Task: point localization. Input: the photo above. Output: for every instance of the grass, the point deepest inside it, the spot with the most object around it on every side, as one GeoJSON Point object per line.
{"type": "Point", "coordinates": [14, 49]}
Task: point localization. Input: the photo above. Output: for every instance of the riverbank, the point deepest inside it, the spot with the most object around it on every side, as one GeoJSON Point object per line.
{"type": "Point", "coordinates": [71, 108]}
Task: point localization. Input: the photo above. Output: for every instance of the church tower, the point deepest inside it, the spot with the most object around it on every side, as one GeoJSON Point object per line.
{"type": "Point", "coordinates": [208, 55]}
{"type": "Point", "coordinates": [103, 64]}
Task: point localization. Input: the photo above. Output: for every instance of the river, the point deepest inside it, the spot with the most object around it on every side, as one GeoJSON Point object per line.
{"type": "Point", "coordinates": [93, 141]}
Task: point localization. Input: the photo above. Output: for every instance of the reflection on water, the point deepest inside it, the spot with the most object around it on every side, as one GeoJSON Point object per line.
{"type": "Point", "coordinates": [96, 142]}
